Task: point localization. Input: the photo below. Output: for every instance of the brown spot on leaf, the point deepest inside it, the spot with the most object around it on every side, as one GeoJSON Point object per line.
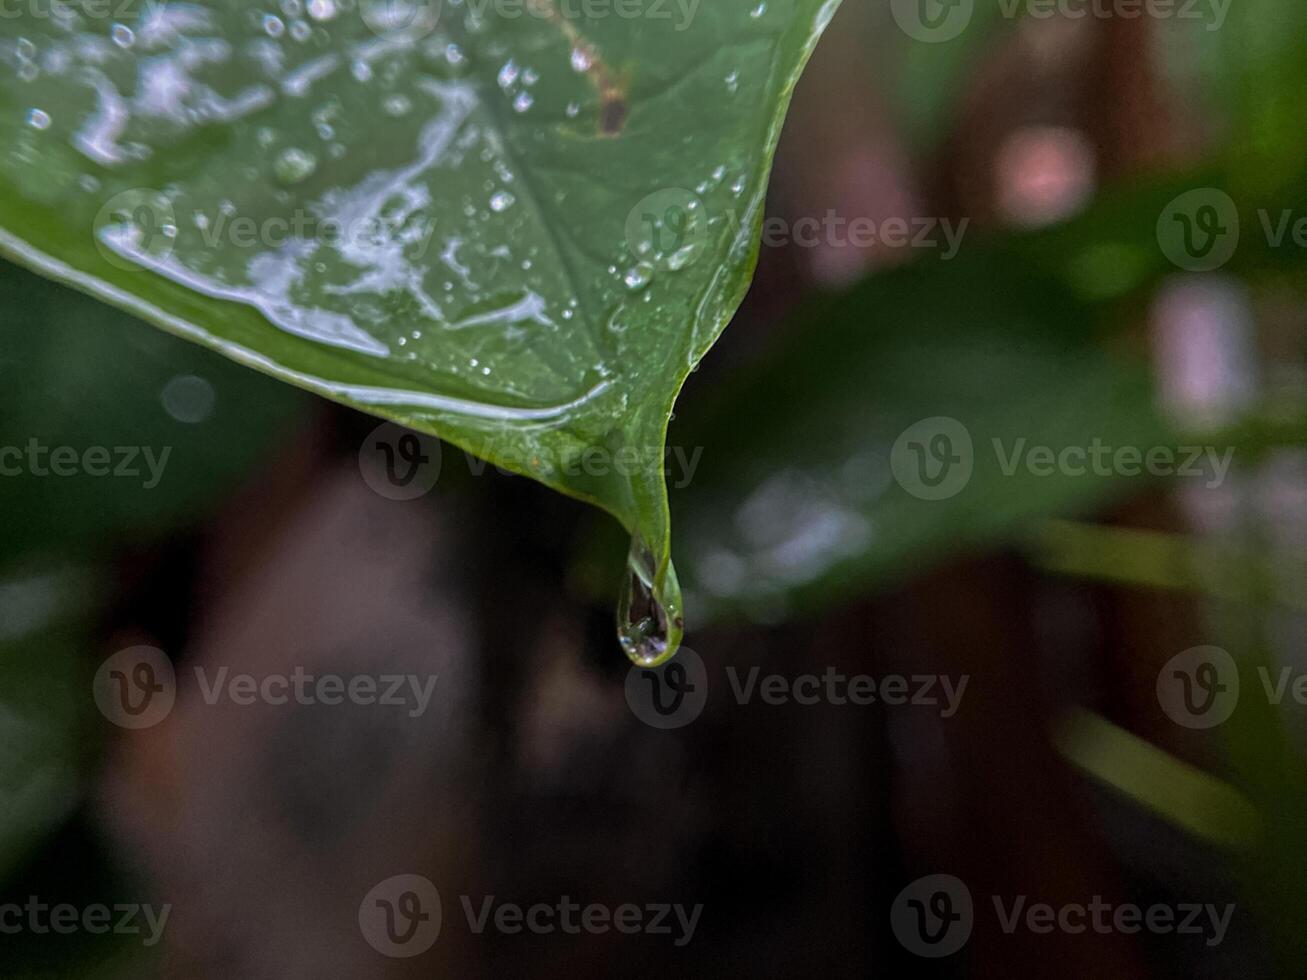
{"type": "Point", "coordinates": [612, 116]}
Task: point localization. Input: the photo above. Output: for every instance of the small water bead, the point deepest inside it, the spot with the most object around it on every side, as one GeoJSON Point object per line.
{"type": "Point", "coordinates": [122, 35]}
{"type": "Point", "coordinates": [638, 276]}
{"type": "Point", "coordinates": [508, 74]}
{"type": "Point", "coordinates": [682, 257]}
{"type": "Point", "coordinates": [292, 8]}
{"type": "Point", "coordinates": [759, 10]}
{"type": "Point", "coordinates": [582, 60]}
{"type": "Point", "coordinates": [523, 102]}
{"type": "Point", "coordinates": [573, 109]}
{"type": "Point", "coordinates": [530, 76]}
{"type": "Point", "coordinates": [273, 26]}
{"type": "Point", "coordinates": [38, 119]}
{"type": "Point", "coordinates": [301, 31]}
{"type": "Point", "coordinates": [501, 202]}
{"type": "Point", "coordinates": [294, 165]}
{"type": "Point", "coordinates": [321, 10]}
{"type": "Point", "coordinates": [397, 105]}
{"type": "Point", "coordinates": [361, 71]}
{"type": "Point", "coordinates": [733, 82]}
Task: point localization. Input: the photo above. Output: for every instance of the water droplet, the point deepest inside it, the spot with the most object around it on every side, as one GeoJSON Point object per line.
{"type": "Point", "coordinates": [638, 276]}
{"type": "Point", "coordinates": [649, 622]}
{"type": "Point", "coordinates": [361, 71]}
{"type": "Point", "coordinates": [122, 35]}
{"type": "Point", "coordinates": [397, 105]}
{"type": "Point", "coordinates": [573, 109]}
{"type": "Point", "coordinates": [582, 59]}
{"type": "Point", "coordinates": [301, 31]}
{"type": "Point", "coordinates": [759, 10]}
{"type": "Point", "coordinates": [523, 102]}
{"type": "Point", "coordinates": [321, 10]}
{"type": "Point", "coordinates": [508, 74]}
{"type": "Point", "coordinates": [501, 202]}
{"type": "Point", "coordinates": [38, 119]}
{"type": "Point", "coordinates": [273, 27]}
{"type": "Point", "coordinates": [682, 257]}
{"type": "Point", "coordinates": [294, 165]}
{"type": "Point", "coordinates": [733, 82]}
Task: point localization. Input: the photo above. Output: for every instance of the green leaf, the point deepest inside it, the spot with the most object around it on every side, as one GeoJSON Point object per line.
{"type": "Point", "coordinates": [518, 232]}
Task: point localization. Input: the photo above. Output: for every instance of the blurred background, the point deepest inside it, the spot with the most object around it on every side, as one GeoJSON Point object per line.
{"type": "Point", "coordinates": [1125, 727]}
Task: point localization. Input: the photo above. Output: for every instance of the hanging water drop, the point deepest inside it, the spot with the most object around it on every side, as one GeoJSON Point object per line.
{"type": "Point", "coordinates": [649, 620]}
